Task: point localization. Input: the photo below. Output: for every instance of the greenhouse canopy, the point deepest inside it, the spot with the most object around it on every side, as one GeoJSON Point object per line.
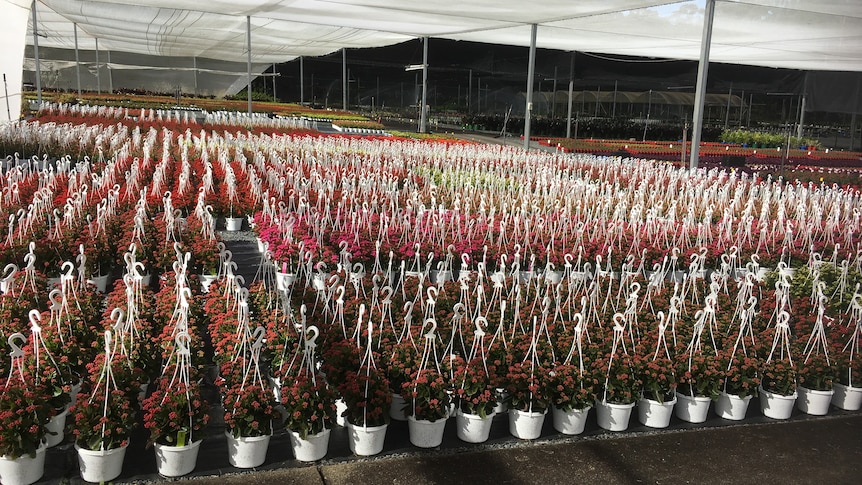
{"type": "Point", "coordinates": [201, 46]}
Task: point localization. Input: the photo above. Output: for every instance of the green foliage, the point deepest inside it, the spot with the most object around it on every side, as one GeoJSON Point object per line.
{"type": "Point", "coordinates": [759, 139]}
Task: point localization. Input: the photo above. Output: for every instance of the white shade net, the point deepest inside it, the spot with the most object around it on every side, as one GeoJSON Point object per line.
{"type": "Point", "coordinates": [798, 34]}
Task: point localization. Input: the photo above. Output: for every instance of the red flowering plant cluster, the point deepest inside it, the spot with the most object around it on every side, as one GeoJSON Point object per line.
{"type": "Point", "coordinates": [848, 371]}
{"type": "Point", "coordinates": [473, 389]}
{"type": "Point", "coordinates": [572, 389]}
{"type": "Point", "coordinates": [816, 372]}
{"type": "Point", "coordinates": [104, 422]}
{"type": "Point", "coordinates": [23, 416]}
{"type": "Point", "coordinates": [427, 395]}
{"type": "Point", "coordinates": [617, 381]}
{"type": "Point", "coordinates": [401, 362]}
{"type": "Point", "coordinates": [779, 376]}
{"type": "Point", "coordinates": [657, 376]}
{"type": "Point", "coordinates": [699, 373]}
{"type": "Point", "coordinates": [528, 387]}
{"type": "Point", "coordinates": [741, 375]}
{"type": "Point", "coordinates": [128, 377]}
{"type": "Point", "coordinates": [339, 359]}
{"type": "Point", "coordinates": [368, 397]}
{"type": "Point", "coordinates": [205, 252]}
{"type": "Point", "coordinates": [249, 410]}
{"type": "Point", "coordinates": [175, 413]}
{"type": "Point", "coordinates": [309, 404]}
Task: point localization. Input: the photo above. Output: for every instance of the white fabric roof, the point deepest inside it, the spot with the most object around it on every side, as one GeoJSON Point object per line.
{"type": "Point", "coordinates": [800, 34]}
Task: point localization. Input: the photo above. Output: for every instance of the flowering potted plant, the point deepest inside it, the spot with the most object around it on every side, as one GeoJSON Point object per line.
{"type": "Point", "coordinates": [368, 398]}
{"type": "Point", "coordinates": [618, 389]}
{"type": "Point", "coordinates": [658, 378]}
{"type": "Point", "coordinates": [24, 415]}
{"type": "Point", "coordinates": [427, 397]}
{"type": "Point", "coordinates": [572, 395]}
{"type": "Point", "coordinates": [700, 380]}
{"type": "Point", "coordinates": [475, 400]}
{"type": "Point", "coordinates": [176, 416]}
{"type": "Point", "coordinates": [103, 426]}
{"type": "Point", "coordinates": [739, 385]}
{"type": "Point", "coordinates": [815, 374]}
{"type": "Point", "coordinates": [529, 397]}
{"type": "Point", "coordinates": [848, 381]}
{"type": "Point", "coordinates": [249, 417]}
{"type": "Point", "coordinates": [777, 388]}
{"type": "Point", "coordinates": [309, 404]}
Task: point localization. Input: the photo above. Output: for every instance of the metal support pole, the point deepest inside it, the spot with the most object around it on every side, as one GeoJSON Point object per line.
{"type": "Point", "coordinates": [750, 106]}
{"type": "Point", "coordinates": [9, 110]}
{"type": "Point", "coordinates": [554, 96]}
{"type": "Point", "coordinates": [423, 116]}
{"type": "Point", "coordinates": [344, 78]}
{"type": "Point", "coordinates": [700, 90]}
{"type": "Point", "coordinates": [77, 60]}
{"type": "Point", "coordinates": [801, 117]}
{"type": "Point", "coordinates": [727, 110]}
{"type": "Point", "coordinates": [469, 90]}
{"type": "Point", "coordinates": [248, 58]}
{"type": "Point", "coordinates": [571, 89]}
{"type": "Point", "coordinates": [274, 75]}
{"type": "Point", "coordinates": [301, 81]}
{"type": "Point", "coordinates": [478, 94]}
{"type": "Point", "coordinates": [98, 70]}
{"type": "Point", "coordinates": [110, 74]}
{"type": "Point", "coordinates": [531, 67]}
{"type": "Point", "coordinates": [36, 55]}
{"type": "Point", "coordinates": [614, 109]}
{"type": "Point", "coordinates": [195, 65]}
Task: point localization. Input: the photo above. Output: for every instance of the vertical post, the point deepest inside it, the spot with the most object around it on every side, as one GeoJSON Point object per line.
{"type": "Point", "coordinates": [684, 135]}
{"type": "Point", "coordinates": [571, 89]}
{"type": "Point", "coordinates": [750, 106]}
{"type": "Point", "coordinates": [741, 107]}
{"type": "Point", "coordinates": [302, 81]}
{"type": "Point", "coordinates": [531, 67]}
{"type": "Point", "coordinates": [423, 116]}
{"type": "Point", "coordinates": [554, 96]}
{"type": "Point", "coordinates": [727, 110]}
{"type": "Point", "coordinates": [110, 74]}
{"type": "Point", "coordinates": [614, 109]}
{"type": "Point", "coordinates": [598, 100]}
{"type": "Point", "coordinates": [700, 90]}
{"type": "Point", "coordinates": [248, 58]}
{"type": "Point", "coordinates": [274, 75]}
{"type": "Point", "coordinates": [478, 94]}
{"type": "Point", "coordinates": [649, 111]}
{"type": "Point", "coordinates": [9, 110]}
{"type": "Point", "coordinates": [77, 60]}
{"type": "Point", "coordinates": [469, 90]}
{"type": "Point", "coordinates": [98, 70]}
{"type": "Point", "coordinates": [195, 66]}
{"type": "Point", "coordinates": [36, 55]}
{"type": "Point", "coordinates": [344, 78]}
{"type": "Point", "coordinates": [801, 117]}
